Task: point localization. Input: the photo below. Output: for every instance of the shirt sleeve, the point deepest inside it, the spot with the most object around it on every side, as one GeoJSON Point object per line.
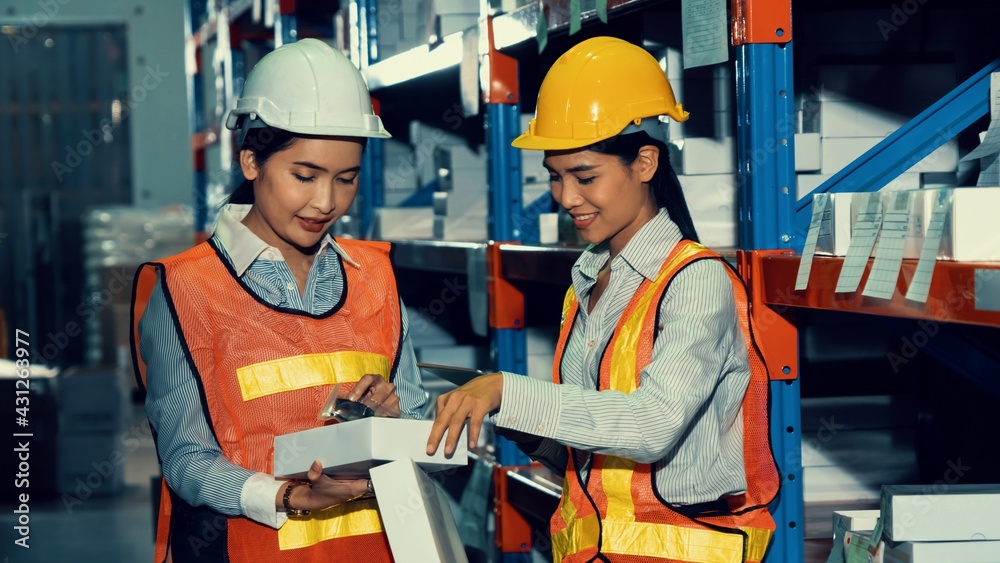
{"type": "Point", "coordinates": [698, 323]}
{"type": "Point", "coordinates": [191, 459]}
{"type": "Point", "coordinates": [409, 384]}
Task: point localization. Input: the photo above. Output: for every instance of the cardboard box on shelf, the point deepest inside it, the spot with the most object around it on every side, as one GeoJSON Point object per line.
{"type": "Point", "coordinates": [808, 182]}
{"type": "Point", "coordinates": [856, 519]}
{"type": "Point", "coordinates": [416, 514]}
{"type": "Point", "coordinates": [838, 152]}
{"type": "Point", "coordinates": [971, 236]}
{"type": "Point", "coordinates": [703, 155]}
{"type": "Point", "coordinates": [835, 230]}
{"type": "Point", "coordinates": [856, 119]}
{"type": "Point", "coordinates": [712, 201]}
{"type": "Point", "coordinates": [808, 152]}
{"type": "Point", "coordinates": [351, 449]}
{"type": "Point", "coordinates": [945, 513]}
{"type": "Point", "coordinates": [936, 552]}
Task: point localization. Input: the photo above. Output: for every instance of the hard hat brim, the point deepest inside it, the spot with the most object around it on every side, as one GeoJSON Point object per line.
{"type": "Point", "coordinates": [529, 142]}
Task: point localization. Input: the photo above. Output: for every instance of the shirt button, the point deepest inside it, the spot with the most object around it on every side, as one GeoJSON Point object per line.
{"type": "Point", "coordinates": [511, 421]}
{"type": "Point", "coordinates": [590, 344]}
{"type": "Point", "coordinates": [541, 428]}
{"type": "Point", "coordinates": [290, 286]}
{"type": "Point", "coordinates": [270, 255]}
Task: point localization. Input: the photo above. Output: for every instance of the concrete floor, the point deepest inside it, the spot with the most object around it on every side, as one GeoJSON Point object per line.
{"type": "Point", "coordinates": [115, 529]}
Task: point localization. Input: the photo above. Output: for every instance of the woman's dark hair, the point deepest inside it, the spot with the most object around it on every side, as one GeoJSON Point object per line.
{"type": "Point", "coordinates": [666, 186]}
{"type": "Point", "coordinates": [264, 142]}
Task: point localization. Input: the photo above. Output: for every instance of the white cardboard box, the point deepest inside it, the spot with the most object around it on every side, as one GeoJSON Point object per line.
{"type": "Point", "coordinates": [351, 449]}
{"type": "Point", "coordinates": [838, 152]}
{"type": "Point", "coordinates": [703, 155]}
{"type": "Point", "coordinates": [937, 552]}
{"type": "Point", "coordinates": [973, 236]}
{"type": "Point", "coordinates": [835, 230]}
{"type": "Point", "coordinates": [808, 182]}
{"type": "Point", "coordinates": [711, 198]}
{"type": "Point", "coordinates": [855, 520]}
{"type": "Point", "coordinates": [808, 152]}
{"type": "Point", "coordinates": [416, 514]}
{"type": "Point", "coordinates": [941, 513]}
{"type": "Point", "coordinates": [856, 119]}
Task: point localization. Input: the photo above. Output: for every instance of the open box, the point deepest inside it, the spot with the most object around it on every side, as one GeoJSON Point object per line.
{"type": "Point", "coordinates": [348, 450]}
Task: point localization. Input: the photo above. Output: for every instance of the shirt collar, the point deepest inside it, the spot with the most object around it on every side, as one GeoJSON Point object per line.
{"type": "Point", "coordinates": [650, 246]}
{"type": "Point", "coordinates": [244, 247]}
{"type": "Point", "coordinates": [645, 253]}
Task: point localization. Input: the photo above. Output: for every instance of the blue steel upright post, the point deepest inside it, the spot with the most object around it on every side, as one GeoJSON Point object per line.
{"type": "Point", "coordinates": [372, 188]}
{"type": "Point", "coordinates": [196, 111]}
{"type": "Point", "coordinates": [285, 25]}
{"type": "Point", "coordinates": [766, 167]}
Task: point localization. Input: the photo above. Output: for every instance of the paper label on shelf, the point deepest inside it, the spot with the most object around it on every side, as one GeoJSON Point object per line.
{"type": "Point", "coordinates": [920, 285]}
{"type": "Point", "coordinates": [602, 10]}
{"type": "Point", "coordinates": [863, 236]}
{"type": "Point", "coordinates": [819, 217]}
{"type": "Point", "coordinates": [989, 147]}
{"type": "Point", "coordinates": [989, 174]}
{"type": "Point", "coordinates": [542, 27]}
{"type": "Point", "coordinates": [706, 32]}
{"type": "Point", "coordinates": [889, 254]}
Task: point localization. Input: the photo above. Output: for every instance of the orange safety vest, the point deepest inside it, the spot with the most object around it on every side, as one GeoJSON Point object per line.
{"type": "Point", "coordinates": [618, 515]}
{"type": "Point", "coordinates": [264, 371]}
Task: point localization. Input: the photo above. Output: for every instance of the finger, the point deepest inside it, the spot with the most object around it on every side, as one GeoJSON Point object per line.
{"type": "Point", "coordinates": [315, 472]}
{"type": "Point", "coordinates": [475, 425]}
{"type": "Point", "coordinates": [440, 423]}
{"type": "Point", "coordinates": [457, 420]}
{"type": "Point", "coordinates": [361, 387]}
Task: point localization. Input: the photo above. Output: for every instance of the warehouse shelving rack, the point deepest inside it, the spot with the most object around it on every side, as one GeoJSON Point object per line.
{"type": "Point", "coordinates": [772, 222]}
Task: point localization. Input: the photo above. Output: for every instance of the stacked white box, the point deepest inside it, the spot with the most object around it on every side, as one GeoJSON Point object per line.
{"type": "Point", "coordinates": [703, 155]}
{"type": "Point", "coordinates": [972, 236]}
{"type": "Point", "coordinates": [808, 152]}
{"type": "Point", "coordinates": [936, 552]}
{"type": "Point", "coordinates": [856, 519]}
{"type": "Point", "coordinates": [838, 152]}
{"type": "Point", "coordinates": [711, 199]}
{"type": "Point", "coordinates": [806, 183]}
{"type": "Point", "coordinates": [941, 512]}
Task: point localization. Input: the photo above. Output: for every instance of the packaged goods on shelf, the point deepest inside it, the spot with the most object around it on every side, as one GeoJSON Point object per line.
{"type": "Point", "coordinates": [906, 181]}
{"type": "Point", "coordinates": [936, 552]}
{"type": "Point", "coordinates": [855, 119]}
{"type": "Point", "coordinates": [944, 512]}
{"type": "Point", "coordinates": [853, 483]}
{"type": "Point", "coordinates": [835, 231]}
{"type": "Point", "coordinates": [856, 520]}
{"type": "Point", "coordinates": [971, 235]}
{"type": "Point", "coordinates": [703, 155]}
{"type": "Point", "coordinates": [116, 240]}
{"type": "Point", "coordinates": [399, 223]}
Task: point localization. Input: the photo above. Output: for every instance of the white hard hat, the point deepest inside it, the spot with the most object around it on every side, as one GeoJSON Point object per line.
{"type": "Point", "coordinates": [306, 87]}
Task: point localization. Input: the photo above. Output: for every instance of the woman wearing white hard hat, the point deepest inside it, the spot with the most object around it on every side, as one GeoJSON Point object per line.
{"type": "Point", "coordinates": [657, 412]}
{"type": "Point", "coordinates": [243, 337]}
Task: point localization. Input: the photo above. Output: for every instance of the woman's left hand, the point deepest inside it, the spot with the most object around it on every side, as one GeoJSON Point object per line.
{"type": "Point", "coordinates": [472, 402]}
{"type": "Point", "coordinates": [377, 394]}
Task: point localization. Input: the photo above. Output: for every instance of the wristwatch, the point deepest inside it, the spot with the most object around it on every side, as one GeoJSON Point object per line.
{"type": "Point", "coordinates": [293, 512]}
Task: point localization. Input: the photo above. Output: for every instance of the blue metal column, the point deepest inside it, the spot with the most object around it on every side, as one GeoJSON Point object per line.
{"type": "Point", "coordinates": [508, 346]}
{"type": "Point", "coordinates": [372, 188]}
{"type": "Point", "coordinates": [765, 130]}
{"type": "Point", "coordinates": [196, 111]}
{"type": "Point", "coordinates": [285, 28]}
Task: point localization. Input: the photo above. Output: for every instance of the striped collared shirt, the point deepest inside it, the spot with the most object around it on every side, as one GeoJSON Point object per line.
{"type": "Point", "coordinates": [685, 417]}
{"type": "Point", "coordinates": [192, 461]}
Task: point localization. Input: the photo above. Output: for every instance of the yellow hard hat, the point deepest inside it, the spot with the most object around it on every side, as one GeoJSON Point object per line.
{"type": "Point", "coordinates": [595, 90]}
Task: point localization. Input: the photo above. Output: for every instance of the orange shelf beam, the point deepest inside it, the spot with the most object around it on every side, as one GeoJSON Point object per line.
{"type": "Point", "coordinates": [951, 297]}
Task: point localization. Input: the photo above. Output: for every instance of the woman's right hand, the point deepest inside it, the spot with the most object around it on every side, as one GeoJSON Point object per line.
{"type": "Point", "coordinates": [323, 492]}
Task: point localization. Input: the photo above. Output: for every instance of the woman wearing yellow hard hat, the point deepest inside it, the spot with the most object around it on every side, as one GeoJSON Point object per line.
{"type": "Point", "coordinates": [657, 413]}
{"type": "Point", "coordinates": [243, 337]}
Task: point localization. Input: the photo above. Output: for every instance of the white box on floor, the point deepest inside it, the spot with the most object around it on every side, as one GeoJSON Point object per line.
{"type": "Point", "coordinates": [351, 449]}
{"type": "Point", "coordinates": [703, 155]}
{"type": "Point", "coordinates": [416, 514]}
{"type": "Point", "coordinates": [808, 152]}
{"type": "Point", "coordinates": [856, 519]}
{"type": "Point", "coordinates": [973, 236]}
{"type": "Point", "coordinates": [936, 552]}
{"type": "Point", "coordinates": [941, 512]}
{"type": "Point", "coordinates": [835, 230]}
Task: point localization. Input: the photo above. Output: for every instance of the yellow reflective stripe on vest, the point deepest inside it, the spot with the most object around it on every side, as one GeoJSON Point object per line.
{"type": "Point", "coordinates": [341, 521]}
{"type": "Point", "coordinates": [663, 541]}
{"type": "Point", "coordinates": [310, 370]}
{"type": "Point", "coordinates": [623, 358]}
{"type": "Point", "coordinates": [616, 478]}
